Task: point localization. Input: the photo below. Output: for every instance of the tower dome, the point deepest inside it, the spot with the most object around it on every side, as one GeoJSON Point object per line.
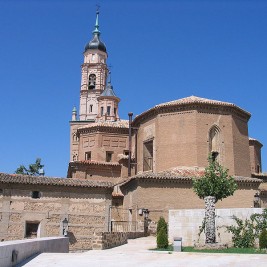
{"type": "Point", "coordinates": [96, 43]}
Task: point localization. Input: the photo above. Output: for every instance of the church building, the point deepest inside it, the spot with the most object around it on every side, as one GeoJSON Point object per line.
{"type": "Point", "coordinates": [120, 168]}
{"type": "Point", "coordinates": [167, 145]}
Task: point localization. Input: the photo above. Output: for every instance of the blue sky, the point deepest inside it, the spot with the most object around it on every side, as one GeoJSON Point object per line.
{"type": "Point", "coordinates": [159, 51]}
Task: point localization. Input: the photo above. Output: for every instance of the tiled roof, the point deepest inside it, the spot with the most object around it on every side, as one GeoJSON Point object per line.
{"type": "Point", "coordinates": [99, 163]}
{"type": "Point", "coordinates": [39, 180]}
{"type": "Point", "coordinates": [115, 194]}
{"type": "Point", "coordinates": [101, 123]}
{"type": "Point", "coordinates": [90, 162]}
{"type": "Point", "coordinates": [193, 100]}
{"type": "Point", "coordinates": [263, 187]}
{"type": "Point", "coordinates": [183, 174]}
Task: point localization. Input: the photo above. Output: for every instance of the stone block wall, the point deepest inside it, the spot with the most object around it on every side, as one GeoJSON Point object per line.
{"type": "Point", "coordinates": [185, 224]}
{"type": "Point", "coordinates": [105, 240]}
{"type": "Point", "coordinates": [85, 209]}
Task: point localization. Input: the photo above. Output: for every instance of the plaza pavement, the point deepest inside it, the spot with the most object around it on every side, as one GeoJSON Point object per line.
{"type": "Point", "coordinates": [136, 253]}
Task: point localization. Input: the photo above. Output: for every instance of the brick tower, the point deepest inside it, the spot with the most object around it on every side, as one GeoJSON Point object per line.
{"type": "Point", "coordinates": [94, 74]}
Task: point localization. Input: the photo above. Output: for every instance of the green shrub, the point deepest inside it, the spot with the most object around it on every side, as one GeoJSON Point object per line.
{"type": "Point", "coordinates": [244, 233]}
{"type": "Point", "coordinates": [162, 238]}
{"type": "Point", "coordinates": [263, 239]}
{"type": "Point", "coordinates": [162, 224]}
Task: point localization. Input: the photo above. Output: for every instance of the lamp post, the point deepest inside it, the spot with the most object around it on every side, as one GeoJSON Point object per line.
{"type": "Point", "coordinates": [257, 200]}
{"type": "Point", "coordinates": [145, 212]}
{"type": "Point", "coordinates": [65, 227]}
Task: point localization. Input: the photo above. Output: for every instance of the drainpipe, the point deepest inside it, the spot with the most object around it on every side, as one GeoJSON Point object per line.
{"type": "Point", "coordinates": [130, 114]}
{"type": "Point", "coordinates": [135, 151]}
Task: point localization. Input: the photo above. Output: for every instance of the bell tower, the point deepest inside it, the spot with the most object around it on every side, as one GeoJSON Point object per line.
{"type": "Point", "coordinates": [94, 74]}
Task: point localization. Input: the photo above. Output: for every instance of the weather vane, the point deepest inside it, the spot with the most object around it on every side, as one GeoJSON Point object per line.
{"type": "Point", "coordinates": [97, 7]}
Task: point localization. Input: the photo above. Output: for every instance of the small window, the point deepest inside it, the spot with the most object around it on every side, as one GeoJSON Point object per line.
{"type": "Point", "coordinates": [108, 110]}
{"type": "Point", "coordinates": [91, 108]}
{"type": "Point", "coordinates": [102, 111]}
{"type": "Point", "coordinates": [115, 111]}
{"type": "Point", "coordinates": [31, 229]}
{"type": "Point", "coordinates": [75, 138]}
{"type": "Point", "coordinates": [109, 156]}
{"type": "Point", "coordinates": [88, 155]}
{"type": "Point", "coordinates": [36, 194]}
{"type": "Point", "coordinates": [126, 152]}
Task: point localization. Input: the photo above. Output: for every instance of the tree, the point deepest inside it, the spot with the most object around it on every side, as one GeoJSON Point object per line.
{"type": "Point", "coordinates": [162, 224]}
{"type": "Point", "coordinates": [34, 169]}
{"type": "Point", "coordinates": [162, 233]}
{"type": "Point", "coordinates": [214, 185]}
{"type": "Point", "coordinates": [162, 239]}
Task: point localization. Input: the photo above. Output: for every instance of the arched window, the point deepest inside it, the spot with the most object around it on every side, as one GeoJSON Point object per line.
{"type": "Point", "coordinates": [75, 138]}
{"type": "Point", "coordinates": [92, 81]}
{"type": "Point", "coordinates": [215, 147]}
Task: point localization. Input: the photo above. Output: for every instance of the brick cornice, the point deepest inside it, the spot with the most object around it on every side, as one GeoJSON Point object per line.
{"type": "Point", "coordinates": [201, 107]}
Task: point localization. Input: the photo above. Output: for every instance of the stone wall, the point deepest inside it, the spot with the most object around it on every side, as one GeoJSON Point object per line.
{"type": "Point", "coordinates": [185, 223]}
{"type": "Point", "coordinates": [86, 209]}
{"type": "Point", "coordinates": [105, 240]}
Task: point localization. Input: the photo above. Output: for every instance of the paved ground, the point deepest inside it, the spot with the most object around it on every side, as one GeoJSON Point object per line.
{"type": "Point", "coordinates": [136, 253]}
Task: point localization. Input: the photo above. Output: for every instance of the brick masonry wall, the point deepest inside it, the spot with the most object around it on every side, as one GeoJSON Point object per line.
{"type": "Point", "coordinates": [182, 139]}
{"type": "Point", "coordinates": [159, 196]}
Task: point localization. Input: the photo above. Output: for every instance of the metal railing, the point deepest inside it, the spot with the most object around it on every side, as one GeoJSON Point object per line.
{"type": "Point", "coordinates": [125, 226]}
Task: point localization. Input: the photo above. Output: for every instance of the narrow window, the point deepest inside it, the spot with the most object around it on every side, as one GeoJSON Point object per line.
{"type": "Point", "coordinates": [31, 230]}
{"type": "Point", "coordinates": [102, 111]}
{"type": "Point", "coordinates": [108, 110]}
{"type": "Point", "coordinates": [92, 81]}
{"type": "Point", "coordinates": [91, 108]}
{"type": "Point", "coordinates": [115, 111]}
{"type": "Point", "coordinates": [88, 155]}
{"type": "Point", "coordinates": [148, 156]}
{"type": "Point", "coordinates": [109, 156]}
{"type": "Point", "coordinates": [215, 145]}
{"type": "Point", "coordinates": [36, 194]}
{"type": "Point", "coordinates": [75, 138]}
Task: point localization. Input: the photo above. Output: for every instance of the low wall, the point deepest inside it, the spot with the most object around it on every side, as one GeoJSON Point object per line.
{"type": "Point", "coordinates": [13, 252]}
{"type": "Point", "coordinates": [105, 240]}
{"type": "Point", "coordinates": [185, 223]}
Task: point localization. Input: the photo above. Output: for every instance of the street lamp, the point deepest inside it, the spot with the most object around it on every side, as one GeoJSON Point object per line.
{"type": "Point", "coordinates": [257, 200]}
{"type": "Point", "coordinates": [146, 213]}
{"type": "Point", "coordinates": [65, 227]}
